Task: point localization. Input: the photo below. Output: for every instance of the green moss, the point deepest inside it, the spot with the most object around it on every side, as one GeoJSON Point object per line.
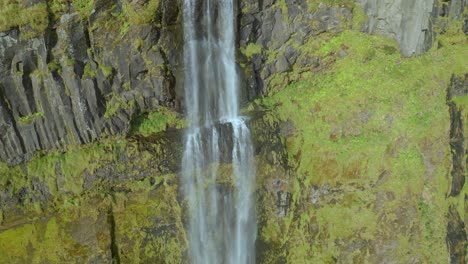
{"type": "Point", "coordinates": [141, 15]}
{"type": "Point", "coordinates": [359, 18]}
{"type": "Point", "coordinates": [54, 66]}
{"type": "Point", "coordinates": [314, 4]}
{"type": "Point", "coordinates": [461, 101]}
{"type": "Point", "coordinates": [89, 72]}
{"type": "Point", "coordinates": [115, 104]}
{"type": "Point", "coordinates": [138, 43]}
{"type": "Point", "coordinates": [363, 119]}
{"type": "Point", "coordinates": [26, 120]}
{"type": "Point", "coordinates": [70, 62]}
{"type": "Point", "coordinates": [125, 28]}
{"type": "Point", "coordinates": [84, 7]}
{"type": "Point", "coordinates": [58, 7]}
{"type": "Point", "coordinates": [32, 21]}
{"type": "Point", "coordinates": [251, 49]}
{"type": "Point", "coordinates": [284, 9]}
{"type": "Point", "coordinates": [106, 70]}
{"type": "Point", "coordinates": [15, 242]}
{"type": "Point", "coordinates": [154, 122]}
{"type": "Point", "coordinates": [143, 240]}
{"type": "Point", "coordinates": [127, 86]}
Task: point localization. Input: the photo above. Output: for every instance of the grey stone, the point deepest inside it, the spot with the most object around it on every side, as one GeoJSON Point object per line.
{"type": "Point", "coordinates": [282, 65]}
{"type": "Point", "coordinates": [72, 106]}
{"type": "Point", "coordinates": [408, 22]}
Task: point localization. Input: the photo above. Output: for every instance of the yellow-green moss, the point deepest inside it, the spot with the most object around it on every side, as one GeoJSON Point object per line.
{"type": "Point", "coordinates": [141, 15]}
{"type": "Point", "coordinates": [106, 70]}
{"type": "Point", "coordinates": [157, 211]}
{"type": "Point", "coordinates": [26, 120]}
{"type": "Point", "coordinates": [370, 117]}
{"type": "Point", "coordinates": [89, 72]}
{"type": "Point", "coordinates": [32, 20]}
{"type": "Point", "coordinates": [84, 7]}
{"type": "Point", "coordinates": [251, 49]}
{"type": "Point", "coordinates": [154, 122]}
{"type": "Point", "coordinates": [138, 43]}
{"type": "Point", "coordinates": [115, 104]}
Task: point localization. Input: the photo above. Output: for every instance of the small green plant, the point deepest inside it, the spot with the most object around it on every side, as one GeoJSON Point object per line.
{"type": "Point", "coordinates": [32, 21]}
{"type": "Point", "coordinates": [89, 72]}
{"type": "Point", "coordinates": [141, 15]}
{"type": "Point", "coordinates": [461, 100]}
{"type": "Point", "coordinates": [84, 7]}
{"type": "Point", "coordinates": [251, 49]}
{"type": "Point", "coordinates": [106, 70]}
{"type": "Point", "coordinates": [127, 86]}
{"type": "Point", "coordinates": [115, 104]}
{"type": "Point", "coordinates": [26, 120]}
{"type": "Point", "coordinates": [70, 62]}
{"type": "Point", "coordinates": [154, 122]}
{"type": "Point", "coordinates": [138, 43]}
{"type": "Point", "coordinates": [125, 28]}
{"type": "Point", "coordinates": [54, 65]}
{"type": "Point", "coordinates": [58, 7]}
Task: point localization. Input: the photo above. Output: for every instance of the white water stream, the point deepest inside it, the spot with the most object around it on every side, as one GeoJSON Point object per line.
{"type": "Point", "coordinates": [222, 221]}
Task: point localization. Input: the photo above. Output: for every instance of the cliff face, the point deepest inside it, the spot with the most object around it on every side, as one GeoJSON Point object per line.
{"type": "Point", "coordinates": [361, 155]}
{"type": "Point", "coordinates": [457, 239]}
{"type": "Point", "coordinates": [85, 77]}
{"type": "Point", "coordinates": [92, 69]}
{"type": "Point", "coordinates": [408, 22]}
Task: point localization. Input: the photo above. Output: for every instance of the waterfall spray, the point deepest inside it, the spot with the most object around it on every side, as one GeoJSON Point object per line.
{"type": "Point", "coordinates": [222, 221]}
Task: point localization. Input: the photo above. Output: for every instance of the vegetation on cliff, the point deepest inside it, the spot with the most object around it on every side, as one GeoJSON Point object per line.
{"type": "Point", "coordinates": [355, 163]}
{"type": "Point", "coordinates": [369, 149]}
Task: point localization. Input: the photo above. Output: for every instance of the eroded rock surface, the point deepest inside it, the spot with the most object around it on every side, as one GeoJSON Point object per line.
{"type": "Point", "coordinates": [83, 79]}
{"type": "Point", "coordinates": [408, 22]}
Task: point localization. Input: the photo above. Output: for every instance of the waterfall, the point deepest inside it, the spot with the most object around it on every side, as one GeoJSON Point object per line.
{"type": "Point", "coordinates": [222, 221]}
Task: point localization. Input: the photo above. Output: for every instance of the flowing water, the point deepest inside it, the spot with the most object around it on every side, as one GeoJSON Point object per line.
{"type": "Point", "coordinates": [222, 222]}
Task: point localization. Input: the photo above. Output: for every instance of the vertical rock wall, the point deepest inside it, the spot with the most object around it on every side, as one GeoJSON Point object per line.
{"type": "Point", "coordinates": [457, 240]}
{"type": "Point", "coordinates": [84, 78]}
{"type": "Point", "coordinates": [408, 22]}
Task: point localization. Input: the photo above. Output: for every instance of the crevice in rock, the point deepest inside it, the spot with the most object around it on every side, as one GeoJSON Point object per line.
{"type": "Point", "coordinates": [456, 239]}
{"type": "Point", "coordinates": [113, 246]}
{"type": "Point", "coordinates": [28, 90]}
{"type": "Point", "coordinates": [457, 137]}
{"type": "Point", "coordinates": [170, 82]}
{"type": "Point", "coordinates": [51, 37]}
{"type": "Point", "coordinates": [10, 120]}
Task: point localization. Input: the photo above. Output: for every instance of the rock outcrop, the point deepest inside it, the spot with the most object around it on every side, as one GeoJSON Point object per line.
{"type": "Point", "coordinates": [408, 22]}
{"type": "Point", "coordinates": [457, 239]}
{"type": "Point", "coordinates": [273, 35]}
{"type": "Point", "coordinates": [84, 78]}
{"type": "Point", "coordinates": [90, 72]}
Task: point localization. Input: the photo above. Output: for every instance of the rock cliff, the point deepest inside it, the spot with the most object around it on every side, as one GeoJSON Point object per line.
{"type": "Point", "coordinates": [85, 76]}
{"type": "Point", "coordinates": [360, 145]}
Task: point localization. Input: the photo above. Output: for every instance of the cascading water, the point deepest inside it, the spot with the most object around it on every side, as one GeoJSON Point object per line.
{"type": "Point", "coordinates": [222, 222]}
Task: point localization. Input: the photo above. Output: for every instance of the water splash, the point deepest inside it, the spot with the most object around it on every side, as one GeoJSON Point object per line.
{"type": "Point", "coordinates": [222, 221]}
